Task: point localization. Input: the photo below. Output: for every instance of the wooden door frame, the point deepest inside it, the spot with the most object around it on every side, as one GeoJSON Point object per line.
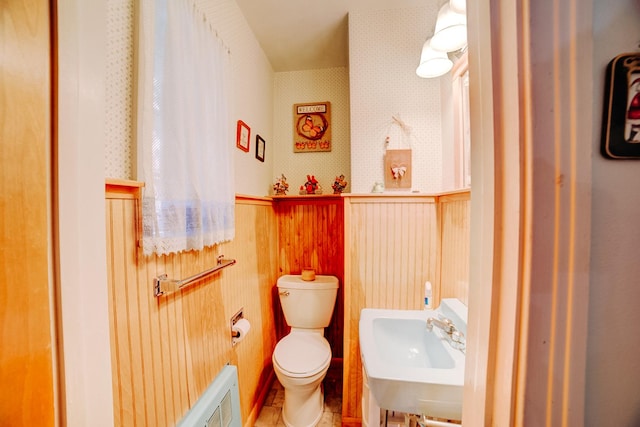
{"type": "Point", "coordinates": [506, 322]}
{"type": "Point", "coordinates": [531, 167]}
{"type": "Point", "coordinates": [27, 336]}
{"type": "Point", "coordinates": [83, 321]}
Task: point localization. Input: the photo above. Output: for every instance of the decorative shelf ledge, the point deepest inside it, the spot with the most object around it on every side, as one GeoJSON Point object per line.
{"type": "Point", "coordinates": [307, 196]}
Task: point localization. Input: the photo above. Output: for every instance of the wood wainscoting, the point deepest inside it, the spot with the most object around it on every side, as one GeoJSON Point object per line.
{"type": "Point", "coordinates": [393, 245]}
{"type": "Point", "coordinates": [166, 350]}
{"type": "Point", "coordinates": [454, 226]}
{"type": "Point", "coordinates": [311, 234]}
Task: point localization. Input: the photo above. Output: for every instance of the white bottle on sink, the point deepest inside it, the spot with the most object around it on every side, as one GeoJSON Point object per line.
{"type": "Point", "coordinates": [427, 295]}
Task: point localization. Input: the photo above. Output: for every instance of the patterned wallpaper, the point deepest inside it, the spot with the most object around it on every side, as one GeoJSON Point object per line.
{"type": "Point", "coordinates": [252, 92]}
{"type": "Point", "coordinates": [379, 84]}
{"type": "Point", "coordinates": [384, 50]}
{"type": "Point", "coordinates": [331, 84]}
{"type": "Point", "coordinates": [119, 92]}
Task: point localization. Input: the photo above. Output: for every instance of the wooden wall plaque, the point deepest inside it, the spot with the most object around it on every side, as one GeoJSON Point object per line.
{"type": "Point", "coordinates": [312, 127]}
{"type": "Point", "coordinates": [397, 169]}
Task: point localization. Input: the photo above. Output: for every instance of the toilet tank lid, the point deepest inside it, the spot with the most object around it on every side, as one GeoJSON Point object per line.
{"type": "Point", "coordinates": [294, 281]}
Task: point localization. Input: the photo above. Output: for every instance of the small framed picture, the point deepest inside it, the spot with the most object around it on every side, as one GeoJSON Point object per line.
{"type": "Point", "coordinates": [242, 136]}
{"type": "Point", "coordinates": [260, 148]}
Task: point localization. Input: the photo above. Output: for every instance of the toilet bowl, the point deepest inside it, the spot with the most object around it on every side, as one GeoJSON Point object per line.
{"type": "Point", "coordinates": [302, 358]}
{"type": "Point", "coordinates": [301, 361]}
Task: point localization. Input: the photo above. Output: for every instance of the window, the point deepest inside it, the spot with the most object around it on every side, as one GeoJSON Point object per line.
{"type": "Point", "coordinates": [462, 128]}
{"type": "Point", "coordinates": [184, 130]}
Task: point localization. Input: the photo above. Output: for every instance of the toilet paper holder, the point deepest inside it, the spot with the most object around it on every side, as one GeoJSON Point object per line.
{"type": "Point", "coordinates": [239, 315]}
{"type": "Point", "coordinates": [235, 334]}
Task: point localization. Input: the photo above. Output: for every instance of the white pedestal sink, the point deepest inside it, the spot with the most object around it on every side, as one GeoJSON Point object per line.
{"type": "Point", "coordinates": [410, 368]}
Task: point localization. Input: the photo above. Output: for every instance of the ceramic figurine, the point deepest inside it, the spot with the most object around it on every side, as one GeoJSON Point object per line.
{"type": "Point", "coordinates": [281, 187]}
{"type": "Point", "coordinates": [311, 186]}
{"type": "Point", "coordinates": [339, 184]}
{"type": "Point", "coordinates": [378, 187]}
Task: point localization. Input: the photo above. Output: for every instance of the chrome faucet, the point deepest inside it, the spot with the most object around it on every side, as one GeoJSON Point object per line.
{"type": "Point", "coordinates": [444, 324]}
{"type": "Point", "coordinates": [455, 337]}
{"type": "Point", "coordinates": [458, 340]}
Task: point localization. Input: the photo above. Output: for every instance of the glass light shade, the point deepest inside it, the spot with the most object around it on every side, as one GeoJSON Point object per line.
{"type": "Point", "coordinates": [433, 63]}
{"type": "Point", "coordinates": [458, 6]}
{"type": "Point", "coordinates": [451, 30]}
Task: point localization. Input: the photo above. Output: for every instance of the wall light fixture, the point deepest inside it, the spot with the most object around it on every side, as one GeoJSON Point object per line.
{"type": "Point", "coordinates": [458, 6]}
{"type": "Point", "coordinates": [433, 63]}
{"type": "Point", "coordinates": [451, 30]}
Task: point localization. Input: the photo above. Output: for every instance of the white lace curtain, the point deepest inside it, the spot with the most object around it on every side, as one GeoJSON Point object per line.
{"type": "Point", "coordinates": [184, 145]}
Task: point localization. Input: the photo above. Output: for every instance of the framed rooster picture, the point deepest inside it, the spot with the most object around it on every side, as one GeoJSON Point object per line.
{"type": "Point", "coordinates": [621, 112]}
{"type": "Point", "coordinates": [312, 127]}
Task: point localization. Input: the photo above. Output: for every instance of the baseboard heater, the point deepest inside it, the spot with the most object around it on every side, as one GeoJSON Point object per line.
{"type": "Point", "coordinates": [219, 405]}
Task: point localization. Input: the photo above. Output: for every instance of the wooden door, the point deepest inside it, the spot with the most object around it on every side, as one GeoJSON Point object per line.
{"type": "Point", "coordinates": [26, 345]}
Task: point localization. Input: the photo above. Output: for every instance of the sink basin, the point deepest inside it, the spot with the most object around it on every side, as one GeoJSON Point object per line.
{"type": "Point", "coordinates": [403, 342]}
{"type": "Point", "coordinates": [410, 368]}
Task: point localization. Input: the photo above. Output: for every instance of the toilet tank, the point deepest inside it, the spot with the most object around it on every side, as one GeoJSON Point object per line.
{"type": "Point", "coordinates": [307, 304]}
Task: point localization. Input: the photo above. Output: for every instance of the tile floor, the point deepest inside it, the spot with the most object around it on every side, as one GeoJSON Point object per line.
{"type": "Point", "coordinates": [271, 412]}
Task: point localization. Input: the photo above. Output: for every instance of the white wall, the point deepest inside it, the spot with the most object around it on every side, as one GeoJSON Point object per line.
{"type": "Point", "coordinates": [331, 84]}
{"type": "Point", "coordinates": [252, 92]}
{"type": "Point", "coordinates": [382, 83]}
{"type": "Point", "coordinates": [94, 140]}
{"type": "Point", "coordinates": [447, 122]}
{"type": "Point", "coordinates": [119, 102]}
{"type": "Point", "coordinates": [613, 352]}
{"type": "Point", "coordinates": [82, 273]}
{"type": "Point", "coordinates": [384, 50]}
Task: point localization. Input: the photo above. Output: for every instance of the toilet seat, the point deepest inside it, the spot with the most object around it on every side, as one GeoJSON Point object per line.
{"type": "Point", "coordinates": [302, 354]}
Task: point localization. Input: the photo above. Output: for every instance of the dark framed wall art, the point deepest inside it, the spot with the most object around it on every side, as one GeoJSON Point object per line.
{"type": "Point", "coordinates": [260, 147]}
{"type": "Point", "coordinates": [621, 112]}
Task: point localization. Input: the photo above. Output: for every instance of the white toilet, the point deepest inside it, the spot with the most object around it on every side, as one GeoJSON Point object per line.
{"type": "Point", "coordinates": [302, 358]}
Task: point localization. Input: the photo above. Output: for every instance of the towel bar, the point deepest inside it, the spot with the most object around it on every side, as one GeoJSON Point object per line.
{"type": "Point", "coordinates": [163, 285]}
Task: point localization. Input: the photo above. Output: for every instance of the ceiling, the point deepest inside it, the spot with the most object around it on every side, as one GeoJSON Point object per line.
{"type": "Point", "coordinates": [305, 35]}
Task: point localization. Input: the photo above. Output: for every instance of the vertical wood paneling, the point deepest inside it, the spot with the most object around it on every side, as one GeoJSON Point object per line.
{"type": "Point", "coordinates": [252, 288]}
{"type": "Point", "coordinates": [311, 234]}
{"type": "Point", "coordinates": [147, 336]}
{"type": "Point", "coordinates": [115, 360]}
{"type": "Point", "coordinates": [391, 242]}
{"type": "Point", "coordinates": [166, 350]}
{"type": "Point", "coordinates": [133, 297]}
{"type": "Point", "coordinates": [157, 396]}
{"type": "Point", "coordinates": [389, 250]}
{"type": "Point", "coordinates": [393, 245]}
{"type": "Point", "coordinates": [454, 248]}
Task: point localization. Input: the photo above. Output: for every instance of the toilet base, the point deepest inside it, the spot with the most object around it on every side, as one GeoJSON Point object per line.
{"type": "Point", "coordinates": [303, 395]}
{"type": "Point", "coordinates": [303, 409]}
